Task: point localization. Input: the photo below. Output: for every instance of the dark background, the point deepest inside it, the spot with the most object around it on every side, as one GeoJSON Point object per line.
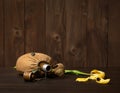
{"type": "Point", "coordinates": [78, 33]}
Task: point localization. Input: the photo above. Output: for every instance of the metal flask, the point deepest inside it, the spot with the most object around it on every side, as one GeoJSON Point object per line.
{"type": "Point", "coordinates": [37, 65]}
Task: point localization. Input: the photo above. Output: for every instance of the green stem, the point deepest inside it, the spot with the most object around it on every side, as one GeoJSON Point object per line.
{"type": "Point", "coordinates": [76, 72]}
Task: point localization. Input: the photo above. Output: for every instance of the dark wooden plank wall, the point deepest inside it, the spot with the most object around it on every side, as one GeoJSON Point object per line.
{"type": "Point", "coordinates": [14, 30]}
{"type": "Point", "coordinates": [78, 33]}
{"type": "Point", "coordinates": [76, 26]}
{"type": "Point", "coordinates": [35, 26]}
{"type": "Point", "coordinates": [97, 31]}
{"type": "Point", "coordinates": [114, 33]}
{"type": "Point", "coordinates": [55, 33]}
{"type": "Point", "coordinates": [1, 34]}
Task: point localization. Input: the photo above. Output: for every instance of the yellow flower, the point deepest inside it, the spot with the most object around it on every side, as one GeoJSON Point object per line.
{"type": "Point", "coordinates": [82, 79]}
{"type": "Point", "coordinates": [96, 75]}
{"type": "Point", "coordinates": [102, 81]}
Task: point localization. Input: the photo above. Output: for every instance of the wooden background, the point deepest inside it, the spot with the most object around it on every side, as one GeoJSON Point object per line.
{"type": "Point", "coordinates": [78, 33]}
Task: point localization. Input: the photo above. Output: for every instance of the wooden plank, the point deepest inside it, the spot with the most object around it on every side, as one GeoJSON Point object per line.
{"type": "Point", "coordinates": [97, 31]}
{"type": "Point", "coordinates": [55, 29]}
{"type": "Point", "coordinates": [14, 30]}
{"type": "Point", "coordinates": [114, 34]}
{"type": "Point", "coordinates": [76, 22]}
{"type": "Point", "coordinates": [35, 25]}
{"type": "Point", "coordinates": [1, 34]}
{"type": "Point", "coordinates": [67, 84]}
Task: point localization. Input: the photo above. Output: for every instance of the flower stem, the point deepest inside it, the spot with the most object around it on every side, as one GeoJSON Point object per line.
{"type": "Point", "coordinates": [76, 72]}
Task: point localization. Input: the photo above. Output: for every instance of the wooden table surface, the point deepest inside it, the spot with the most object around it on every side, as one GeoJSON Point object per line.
{"type": "Point", "coordinates": [11, 82]}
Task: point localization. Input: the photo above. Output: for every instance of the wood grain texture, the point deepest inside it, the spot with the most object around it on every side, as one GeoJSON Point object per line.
{"type": "Point", "coordinates": [11, 82]}
{"type": "Point", "coordinates": [55, 29]}
{"type": "Point", "coordinates": [35, 25]}
{"type": "Point", "coordinates": [114, 34]}
{"type": "Point", "coordinates": [76, 17]}
{"type": "Point", "coordinates": [1, 33]}
{"type": "Point", "coordinates": [78, 33]}
{"type": "Point", "coordinates": [14, 30]}
{"type": "Point", "coordinates": [97, 31]}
